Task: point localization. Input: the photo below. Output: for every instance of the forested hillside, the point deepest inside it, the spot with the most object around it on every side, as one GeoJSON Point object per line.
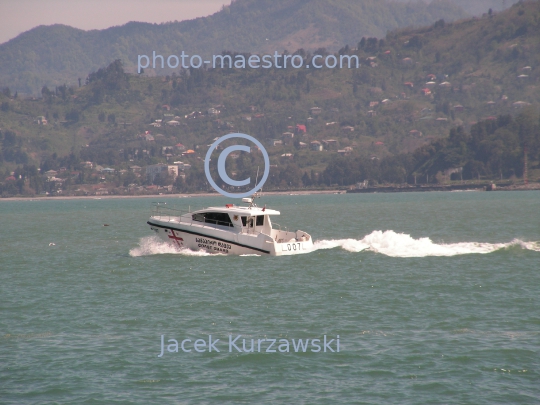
{"type": "Point", "coordinates": [57, 55]}
{"type": "Point", "coordinates": [478, 7]}
{"type": "Point", "coordinates": [443, 103]}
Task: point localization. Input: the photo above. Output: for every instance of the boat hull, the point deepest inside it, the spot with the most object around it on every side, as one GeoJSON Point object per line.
{"type": "Point", "coordinates": [217, 241]}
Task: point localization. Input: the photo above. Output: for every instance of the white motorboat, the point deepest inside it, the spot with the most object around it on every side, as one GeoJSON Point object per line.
{"type": "Point", "coordinates": [230, 229]}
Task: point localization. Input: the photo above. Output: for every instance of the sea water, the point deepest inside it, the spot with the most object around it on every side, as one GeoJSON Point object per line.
{"type": "Point", "coordinates": [435, 298]}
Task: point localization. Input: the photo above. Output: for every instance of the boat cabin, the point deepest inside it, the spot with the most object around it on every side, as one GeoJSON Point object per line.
{"type": "Point", "coordinates": [243, 219]}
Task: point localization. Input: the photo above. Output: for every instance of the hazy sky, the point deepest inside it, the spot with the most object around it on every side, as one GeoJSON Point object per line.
{"type": "Point", "coordinates": [17, 16]}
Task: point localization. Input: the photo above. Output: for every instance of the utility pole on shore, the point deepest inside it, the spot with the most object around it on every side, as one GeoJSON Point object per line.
{"type": "Point", "coordinates": [525, 169]}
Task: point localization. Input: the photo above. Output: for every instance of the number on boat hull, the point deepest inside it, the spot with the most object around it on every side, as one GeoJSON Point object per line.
{"type": "Point", "coordinates": [291, 247]}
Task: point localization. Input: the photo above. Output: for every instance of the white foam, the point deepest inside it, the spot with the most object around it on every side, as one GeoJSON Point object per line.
{"type": "Point", "coordinates": [388, 243]}
{"type": "Point", "coordinates": [395, 244]}
{"type": "Point", "coordinates": [152, 245]}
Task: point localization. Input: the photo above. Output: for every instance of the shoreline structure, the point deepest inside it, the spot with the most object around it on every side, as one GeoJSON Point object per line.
{"type": "Point", "coordinates": [368, 190]}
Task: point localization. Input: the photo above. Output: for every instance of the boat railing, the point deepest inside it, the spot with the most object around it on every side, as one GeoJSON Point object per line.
{"type": "Point", "coordinates": [279, 227]}
{"type": "Point", "coordinates": [275, 226]}
{"type": "Point", "coordinates": [173, 214]}
{"type": "Point", "coordinates": [161, 209]}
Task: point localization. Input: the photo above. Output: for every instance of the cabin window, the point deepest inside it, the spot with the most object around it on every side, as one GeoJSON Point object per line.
{"type": "Point", "coordinates": [217, 218]}
{"type": "Point", "coordinates": [198, 217]}
{"type": "Point", "coordinates": [244, 221]}
{"type": "Point", "coordinates": [260, 220]}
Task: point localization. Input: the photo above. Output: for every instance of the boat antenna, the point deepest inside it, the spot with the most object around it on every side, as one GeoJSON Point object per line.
{"type": "Point", "coordinates": [252, 204]}
{"type": "Point", "coordinates": [257, 178]}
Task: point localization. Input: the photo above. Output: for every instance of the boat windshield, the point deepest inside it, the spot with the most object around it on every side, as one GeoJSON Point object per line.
{"type": "Point", "coordinates": [217, 218]}
{"type": "Point", "coordinates": [259, 221]}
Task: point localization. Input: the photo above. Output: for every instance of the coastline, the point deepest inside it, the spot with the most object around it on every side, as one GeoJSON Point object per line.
{"type": "Point", "coordinates": [448, 187]}
{"type": "Point", "coordinates": [369, 190]}
{"type": "Point", "coordinates": [110, 197]}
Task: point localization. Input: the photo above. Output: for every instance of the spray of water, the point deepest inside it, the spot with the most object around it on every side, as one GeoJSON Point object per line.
{"type": "Point", "coordinates": [388, 243]}
{"type": "Point", "coordinates": [152, 245]}
{"type": "Point", "coordinates": [394, 244]}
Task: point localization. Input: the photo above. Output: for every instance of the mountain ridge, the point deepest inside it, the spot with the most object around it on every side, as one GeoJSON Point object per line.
{"type": "Point", "coordinates": [476, 80]}
{"type": "Point", "coordinates": [59, 54]}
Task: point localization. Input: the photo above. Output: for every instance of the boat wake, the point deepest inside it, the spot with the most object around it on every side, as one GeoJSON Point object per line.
{"type": "Point", "coordinates": [152, 245]}
{"type": "Point", "coordinates": [394, 244]}
{"type": "Point", "coordinates": [388, 243]}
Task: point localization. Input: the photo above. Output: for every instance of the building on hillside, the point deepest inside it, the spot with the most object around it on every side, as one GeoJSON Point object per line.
{"type": "Point", "coordinates": [300, 128]}
{"type": "Point", "coordinates": [330, 143]}
{"type": "Point", "coordinates": [316, 146]}
{"type": "Point", "coordinates": [166, 149]}
{"type": "Point", "coordinates": [160, 169]}
{"type": "Point", "coordinates": [50, 173]}
{"type": "Point", "coordinates": [179, 147]}
{"type": "Point", "coordinates": [407, 61]}
{"type": "Point", "coordinates": [520, 104]}
{"type": "Point", "coordinates": [108, 170]}
{"type": "Point", "coordinates": [315, 110]}
{"type": "Point", "coordinates": [345, 151]}
{"type": "Point", "coordinates": [425, 92]}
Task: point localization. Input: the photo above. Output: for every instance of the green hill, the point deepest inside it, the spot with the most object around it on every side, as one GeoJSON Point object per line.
{"type": "Point", "coordinates": [479, 7]}
{"type": "Point", "coordinates": [482, 75]}
{"type": "Point", "coordinates": [57, 55]}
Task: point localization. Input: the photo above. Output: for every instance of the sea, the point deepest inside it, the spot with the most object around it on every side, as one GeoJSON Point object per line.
{"type": "Point", "coordinates": [434, 297]}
